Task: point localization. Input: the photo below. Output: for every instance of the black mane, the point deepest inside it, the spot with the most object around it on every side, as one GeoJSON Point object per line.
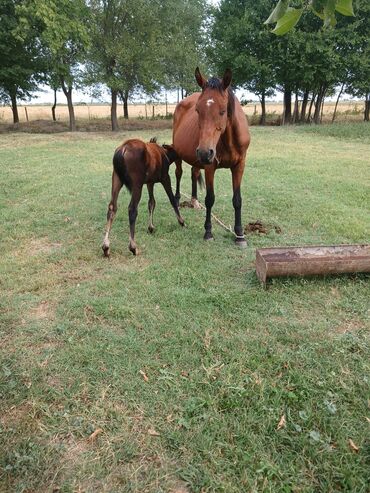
{"type": "Point", "coordinates": [216, 83]}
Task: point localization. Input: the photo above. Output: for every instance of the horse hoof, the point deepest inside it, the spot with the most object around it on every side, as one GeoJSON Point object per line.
{"type": "Point", "coordinates": [241, 242]}
{"type": "Point", "coordinates": [208, 237]}
{"type": "Point", "coordinates": [150, 229]}
{"type": "Point", "coordinates": [133, 250]}
{"type": "Point", "coordinates": [106, 250]}
{"type": "Point", "coordinates": [182, 223]}
{"type": "Point", "coordinates": [195, 204]}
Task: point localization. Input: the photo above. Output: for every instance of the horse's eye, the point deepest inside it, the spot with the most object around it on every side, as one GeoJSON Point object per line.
{"type": "Point", "coordinates": [222, 112]}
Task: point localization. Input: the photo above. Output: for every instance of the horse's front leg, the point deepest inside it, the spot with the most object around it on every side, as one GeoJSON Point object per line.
{"type": "Point", "coordinates": [195, 177]}
{"type": "Point", "coordinates": [237, 175]}
{"type": "Point", "coordinates": [132, 215]}
{"type": "Point", "coordinates": [210, 200]}
{"type": "Point", "coordinates": [112, 209]}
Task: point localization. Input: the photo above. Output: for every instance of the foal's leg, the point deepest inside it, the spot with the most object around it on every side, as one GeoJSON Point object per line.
{"type": "Point", "coordinates": [210, 200]}
{"type": "Point", "coordinates": [151, 206]}
{"type": "Point", "coordinates": [112, 209]}
{"type": "Point", "coordinates": [132, 215]}
{"type": "Point", "coordinates": [195, 174]}
{"type": "Point", "coordinates": [166, 182]}
{"type": "Point", "coordinates": [237, 175]}
{"type": "Point", "coordinates": [178, 173]}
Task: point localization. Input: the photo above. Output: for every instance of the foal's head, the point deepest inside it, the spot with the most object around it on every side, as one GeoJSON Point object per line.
{"type": "Point", "coordinates": [214, 106]}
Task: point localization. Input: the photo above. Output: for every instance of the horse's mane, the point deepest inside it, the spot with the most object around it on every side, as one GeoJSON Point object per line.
{"type": "Point", "coordinates": [216, 83]}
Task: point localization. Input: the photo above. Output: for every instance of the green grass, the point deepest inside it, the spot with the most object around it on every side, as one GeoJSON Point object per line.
{"type": "Point", "coordinates": [224, 358]}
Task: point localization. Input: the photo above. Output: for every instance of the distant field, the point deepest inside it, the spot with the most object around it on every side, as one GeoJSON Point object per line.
{"type": "Point", "coordinates": [91, 112]}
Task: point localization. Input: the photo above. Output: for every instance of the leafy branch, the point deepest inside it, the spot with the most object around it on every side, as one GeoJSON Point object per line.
{"type": "Point", "coordinates": [287, 17]}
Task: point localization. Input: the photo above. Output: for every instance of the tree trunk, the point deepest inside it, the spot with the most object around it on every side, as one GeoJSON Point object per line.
{"type": "Point", "coordinates": [336, 103]}
{"type": "Point", "coordinates": [263, 108]}
{"type": "Point", "coordinates": [367, 107]}
{"type": "Point", "coordinates": [13, 98]}
{"type": "Point", "coordinates": [319, 101]}
{"type": "Point", "coordinates": [287, 116]}
{"type": "Point", "coordinates": [304, 106]}
{"type": "Point", "coordinates": [311, 105]}
{"type": "Point", "coordinates": [54, 105]}
{"type": "Point", "coordinates": [68, 94]}
{"type": "Point", "coordinates": [113, 111]}
{"type": "Point", "coordinates": [296, 108]}
{"type": "Point", "coordinates": [125, 105]}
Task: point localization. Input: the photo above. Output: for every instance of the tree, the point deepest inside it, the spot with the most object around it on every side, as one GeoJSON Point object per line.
{"type": "Point", "coordinates": [357, 47]}
{"type": "Point", "coordinates": [123, 52]}
{"type": "Point", "coordinates": [21, 61]}
{"type": "Point", "coordinates": [245, 45]}
{"type": "Point", "coordinates": [183, 43]}
{"type": "Point", "coordinates": [65, 39]}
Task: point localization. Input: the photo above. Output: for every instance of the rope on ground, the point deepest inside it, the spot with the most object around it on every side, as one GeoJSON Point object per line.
{"type": "Point", "coordinates": [218, 221]}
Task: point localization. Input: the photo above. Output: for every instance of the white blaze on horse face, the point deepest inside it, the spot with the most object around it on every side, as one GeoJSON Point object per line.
{"type": "Point", "coordinates": [209, 102]}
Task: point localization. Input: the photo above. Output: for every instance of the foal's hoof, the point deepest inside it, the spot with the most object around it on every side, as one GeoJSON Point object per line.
{"type": "Point", "coordinates": [208, 237]}
{"type": "Point", "coordinates": [106, 250]}
{"type": "Point", "coordinates": [150, 229]}
{"type": "Point", "coordinates": [133, 250]}
{"type": "Point", "coordinates": [241, 242]}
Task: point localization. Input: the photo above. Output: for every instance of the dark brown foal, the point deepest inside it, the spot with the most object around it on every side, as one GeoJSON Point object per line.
{"type": "Point", "coordinates": [136, 163]}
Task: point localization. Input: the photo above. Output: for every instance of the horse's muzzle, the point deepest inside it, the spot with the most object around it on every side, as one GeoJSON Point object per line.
{"type": "Point", "coordinates": [205, 156]}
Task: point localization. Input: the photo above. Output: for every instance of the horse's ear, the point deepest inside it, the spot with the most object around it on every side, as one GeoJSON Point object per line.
{"type": "Point", "coordinates": [226, 80]}
{"type": "Point", "coordinates": [200, 79]}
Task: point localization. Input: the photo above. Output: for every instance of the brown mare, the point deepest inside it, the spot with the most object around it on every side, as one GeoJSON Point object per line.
{"type": "Point", "coordinates": [136, 163]}
{"type": "Point", "coordinates": [210, 131]}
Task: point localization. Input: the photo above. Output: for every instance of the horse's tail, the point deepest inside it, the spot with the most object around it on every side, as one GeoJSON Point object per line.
{"type": "Point", "coordinates": [120, 168]}
{"type": "Point", "coordinates": [200, 181]}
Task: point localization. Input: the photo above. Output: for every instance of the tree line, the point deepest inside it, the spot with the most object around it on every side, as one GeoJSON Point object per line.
{"type": "Point", "coordinates": [143, 46]}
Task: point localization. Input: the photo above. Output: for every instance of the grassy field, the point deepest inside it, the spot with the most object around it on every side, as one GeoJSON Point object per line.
{"type": "Point", "coordinates": [175, 371]}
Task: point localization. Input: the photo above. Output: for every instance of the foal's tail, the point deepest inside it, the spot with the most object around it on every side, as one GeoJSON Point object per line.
{"type": "Point", "coordinates": [120, 168]}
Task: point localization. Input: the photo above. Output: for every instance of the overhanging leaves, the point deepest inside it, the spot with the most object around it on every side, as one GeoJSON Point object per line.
{"type": "Point", "coordinates": [278, 12]}
{"type": "Point", "coordinates": [288, 21]}
{"type": "Point", "coordinates": [344, 7]}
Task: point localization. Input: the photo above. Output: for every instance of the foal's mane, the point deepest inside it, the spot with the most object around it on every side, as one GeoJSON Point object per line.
{"type": "Point", "coordinates": [216, 83]}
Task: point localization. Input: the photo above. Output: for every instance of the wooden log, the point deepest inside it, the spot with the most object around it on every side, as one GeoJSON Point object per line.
{"type": "Point", "coordinates": [311, 260]}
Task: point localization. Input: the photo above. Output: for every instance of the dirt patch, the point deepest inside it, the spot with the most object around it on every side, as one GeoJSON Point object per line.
{"type": "Point", "coordinates": [187, 204]}
{"type": "Point", "coordinates": [350, 326]}
{"type": "Point", "coordinates": [15, 415]}
{"type": "Point", "coordinates": [43, 311]}
{"type": "Point", "coordinates": [42, 245]}
{"type": "Point", "coordinates": [261, 228]}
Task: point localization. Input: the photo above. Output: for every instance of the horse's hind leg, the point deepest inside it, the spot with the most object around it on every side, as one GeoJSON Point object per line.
{"type": "Point", "coordinates": [178, 173]}
{"type": "Point", "coordinates": [195, 177]}
{"type": "Point", "coordinates": [112, 209]}
{"type": "Point", "coordinates": [166, 182]}
{"type": "Point", "coordinates": [132, 215]}
{"type": "Point", "coordinates": [151, 206]}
